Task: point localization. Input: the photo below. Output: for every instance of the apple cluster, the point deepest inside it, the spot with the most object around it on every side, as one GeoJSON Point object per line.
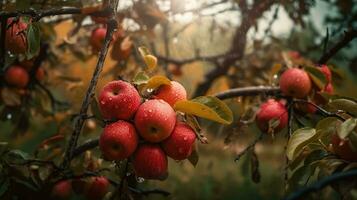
{"type": "Point", "coordinates": [145, 131]}
{"type": "Point", "coordinates": [93, 189]}
{"type": "Point", "coordinates": [272, 115]}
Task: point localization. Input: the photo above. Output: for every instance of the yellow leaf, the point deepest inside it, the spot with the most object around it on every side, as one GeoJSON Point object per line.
{"type": "Point", "coordinates": [207, 107]}
{"type": "Point", "coordinates": [156, 81]}
{"type": "Point", "coordinates": [150, 61]}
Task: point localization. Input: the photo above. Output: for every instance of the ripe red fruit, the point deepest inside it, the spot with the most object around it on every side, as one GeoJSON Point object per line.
{"type": "Point", "coordinates": [118, 140]}
{"type": "Point", "coordinates": [271, 110]}
{"type": "Point", "coordinates": [150, 162]}
{"type": "Point", "coordinates": [329, 88]}
{"type": "Point", "coordinates": [62, 190]}
{"type": "Point", "coordinates": [155, 120]}
{"type": "Point", "coordinates": [171, 93]}
{"type": "Point", "coordinates": [40, 74]}
{"type": "Point", "coordinates": [327, 72]}
{"type": "Point", "coordinates": [16, 40]}
{"type": "Point", "coordinates": [98, 188]}
{"type": "Point", "coordinates": [342, 149]}
{"type": "Point", "coordinates": [295, 82]}
{"type": "Point", "coordinates": [97, 38]}
{"type": "Point", "coordinates": [180, 143]}
{"type": "Point", "coordinates": [17, 76]}
{"type": "Point", "coordinates": [118, 99]}
{"type": "Point", "coordinates": [79, 186]}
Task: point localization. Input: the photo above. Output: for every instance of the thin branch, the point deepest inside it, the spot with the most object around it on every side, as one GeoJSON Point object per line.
{"type": "Point", "coordinates": [322, 183]}
{"type": "Point", "coordinates": [37, 14]}
{"type": "Point", "coordinates": [91, 144]}
{"type": "Point", "coordinates": [3, 22]}
{"type": "Point", "coordinates": [112, 24]}
{"type": "Point", "coordinates": [53, 100]}
{"type": "Point", "coordinates": [347, 37]}
{"type": "Point", "coordinates": [249, 147]}
{"type": "Point", "coordinates": [321, 110]}
{"type": "Point", "coordinates": [248, 91]}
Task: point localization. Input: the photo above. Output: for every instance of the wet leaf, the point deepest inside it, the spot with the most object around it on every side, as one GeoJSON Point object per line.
{"type": "Point", "coordinates": [316, 76]}
{"type": "Point", "coordinates": [207, 107]}
{"type": "Point", "coordinates": [299, 139]}
{"type": "Point", "coordinates": [33, 39]}
{"type": "Point", "coordinates": [140, 78]}
{"type": "Point", "coordinates": [156, 81]}
{"type": "Point", "coordinates": [345, 105]}
{"type": "Point", "coordinates": [193, 158]}
{"type": "Point", "coordinates": [346, 127]}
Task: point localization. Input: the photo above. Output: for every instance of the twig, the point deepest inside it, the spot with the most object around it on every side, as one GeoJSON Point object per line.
{"type": "Point", "coordinates": [252, 145]}
{"type": "Point", "coordinates": [37, 14]}
{"type": "Point", "coordinates": [53, 100]}
{"type": "Point", "coordinates": [112, 24]}
{"type": "Point", "coordinates": [347, 37]}
{"type": "Point", "coordinates": [321, 184]}
{"type": "Point", "coordinates": [290, 132]}
{"type": "Point", "coordinates": [321, 110]}
{"type": "Point", "coordinates": [91, 144]}
{"type": "Point", "coordinates": [3, 22]}
{"type": "Point", "coordinates": [248, 91]}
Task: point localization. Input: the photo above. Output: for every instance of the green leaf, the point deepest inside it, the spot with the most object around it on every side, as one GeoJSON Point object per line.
{"type": "Point", "coordinates": [345, 105]}
{"type": "Point", "coordinates": [17, 156]}
{"type": "Point", "coordinates": [346, 127]}
{"type": "Point", "coordinates": [299, 139]}
{"type": "Point", "coordinates": [316, 76]}
{"type": "Point", "coordinates": [33, 40]}
{"type": "Point", "coordinates": [193, 158]}
{"type": "Point", "coordinates": [22, 5]}
{"type": "Point", "coordinates": [207, 107]}
{"type": "Point", "coordinates": [141, 78]}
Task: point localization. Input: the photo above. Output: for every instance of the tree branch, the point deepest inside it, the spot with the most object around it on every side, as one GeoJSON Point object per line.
{"type": "Point", "coordinates": [249, 147]}
{"type": "Point", "coordinates": [112, 25]}
{"type": "Point", "coordinates": [347, 37]}
{"type": "Point", "coordinates": [321, 110]}
{"type": "Point", "coordinates": [248, 91]}
{"type": "Point", "coordinates": [321, 184]}
{"type": "Point", "coordinates": [91, 144]}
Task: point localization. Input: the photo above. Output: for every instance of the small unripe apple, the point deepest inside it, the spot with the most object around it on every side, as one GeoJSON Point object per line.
{"type": "Point", "coordinates": [62, 190]}
{"type": "Point", "coordinates": [40, 74]}
{"type": "Point", "coordinates": [295, 82]}
{"type": "Point", "coordinates": [327, 72]}
{"type": "Point", "coordinates": [171, 93]}
{"type": "Point", "coordinates": [119, 99]}
{"type": "Point", "coordinates": [98, 188]}
{"type": "Point", "coordinates": [342, 149]}
{"type": "Point", "coordinates": [17, 76]}
{"type": "Point", "coordinates": [155, 120]}
{"type": "Point", "coordinates": [118, 140]}
{"type": "Point", "coordinates": [97, 38]}
{"type": "Point", "coordinates": [150, 162]}
{"type": "Point", "coordinates": [272, 110]}
{"type": "Point", "coordinates": [16, 40]}
{"type": "Point", "coordinates": [180, 143]}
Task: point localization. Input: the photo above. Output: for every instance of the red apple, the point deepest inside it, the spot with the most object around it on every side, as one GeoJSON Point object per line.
{"type": "Point", "coordinates": [98, 188]}
{"type": "Point", "coordinates": [62, 190]}
{"type": "Point", "coordinates": [155, 120]}
{"type": "Point", "coordinates": [295, 82]}
{"type": "Point", "coordinates": [16, 39]}
{"type": "Point", "coordinates": [119, 99]}
{"type": "Point", "coordinates": [17, 76]}
{"type": "Point", "coordinates": [271, 110]}
{"type": "Point", "coordinates": [79, 186]}
{"type": "Point", "coordinates": [328, 88]}
{"type": "Point", "coordinates": [180, 143]}
{"type": "Point", "coordinates": [118, 140]}
{"type": "Point", "coordinates": [97, 38]}
{"type": "Point", "coordinates": [342, 149]}
{"type": "Point", "coordinates": [150, 162]}
{"type": "Point", "coordinates": [40, 74]}
{"type": "Point", "coordinates": [171, 93]}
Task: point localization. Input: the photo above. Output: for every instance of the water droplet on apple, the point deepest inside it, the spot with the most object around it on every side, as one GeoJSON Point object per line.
{"type": "Point", "coordinates": [140, 179]}
{"type": "Point", "coordinates": [110, 98]}
{"type": "Point", "coordinates": [185, 138]}
{"type": "Point", "coordinates": [102, 102]}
